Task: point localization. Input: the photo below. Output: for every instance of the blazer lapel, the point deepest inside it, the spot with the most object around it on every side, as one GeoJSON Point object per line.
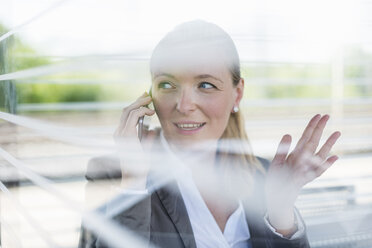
{"type": "Point", "coordinates": [171, 198]}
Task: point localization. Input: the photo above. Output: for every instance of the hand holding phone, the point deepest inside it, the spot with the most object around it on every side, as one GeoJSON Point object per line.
{"type": "Point", "coordinates": [142, 123]}
{"type": "Point", "coordinates": [129, 148]}
{"type": "Point", "coordinates": [130, 116]}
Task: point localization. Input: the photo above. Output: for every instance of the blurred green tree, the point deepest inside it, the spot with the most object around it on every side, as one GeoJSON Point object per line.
{"type": "Point", "coordinates": [8, 97]}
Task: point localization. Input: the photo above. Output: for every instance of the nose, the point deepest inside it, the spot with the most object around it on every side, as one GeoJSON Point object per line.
{"type": "Point", "coordinates": [186, 101]}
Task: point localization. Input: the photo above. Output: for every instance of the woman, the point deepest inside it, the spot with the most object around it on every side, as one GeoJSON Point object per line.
{"type": "Point", "coordinates": [243, 201]}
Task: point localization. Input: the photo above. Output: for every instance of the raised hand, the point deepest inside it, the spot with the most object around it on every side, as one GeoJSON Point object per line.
{"type": "Point", "coordinates": [289, 173]}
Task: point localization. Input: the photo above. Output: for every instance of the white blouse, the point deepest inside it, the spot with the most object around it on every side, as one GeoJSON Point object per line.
{"type": "Point", "coordinates": [204, 226]}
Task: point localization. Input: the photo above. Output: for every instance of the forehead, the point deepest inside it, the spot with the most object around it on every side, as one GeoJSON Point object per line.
{"type": "Point", "coordinates": [192, 61]}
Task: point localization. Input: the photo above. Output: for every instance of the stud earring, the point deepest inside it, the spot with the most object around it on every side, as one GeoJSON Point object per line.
{"type": "Point", "coordinates": [235, 109]}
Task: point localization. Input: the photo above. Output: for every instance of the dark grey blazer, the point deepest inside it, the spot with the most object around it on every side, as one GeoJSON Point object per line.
{"type": "Point", "coordinates": [161, 218]}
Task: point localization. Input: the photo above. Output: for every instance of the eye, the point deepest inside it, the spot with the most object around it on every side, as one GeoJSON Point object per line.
{"type": "Point", "coordinates": [206, 85]}
{"type": "Point", "coordinates": [165, 85]}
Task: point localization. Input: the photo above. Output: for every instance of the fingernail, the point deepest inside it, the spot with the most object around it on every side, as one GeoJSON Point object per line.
{"type": "Point", "coordinates": [287, 136]}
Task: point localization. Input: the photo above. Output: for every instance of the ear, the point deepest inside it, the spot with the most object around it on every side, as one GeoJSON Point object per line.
{"type": "Point", "coordinates": [239, 91]}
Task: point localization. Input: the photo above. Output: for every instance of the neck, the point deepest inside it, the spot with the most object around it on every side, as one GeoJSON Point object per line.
{"type": "Point", "coordinates": [201, 153]}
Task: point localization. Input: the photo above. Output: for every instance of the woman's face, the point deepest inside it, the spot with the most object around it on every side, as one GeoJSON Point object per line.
{"type": "Point", "coordinates": [194, 99]}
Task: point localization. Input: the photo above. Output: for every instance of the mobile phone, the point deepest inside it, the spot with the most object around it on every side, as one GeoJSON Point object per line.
{"type": "Point", "coordinates": [143, 121]}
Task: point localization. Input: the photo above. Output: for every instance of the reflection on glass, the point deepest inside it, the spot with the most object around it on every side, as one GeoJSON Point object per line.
{"type": "Point", "coordinates": [64, 83]}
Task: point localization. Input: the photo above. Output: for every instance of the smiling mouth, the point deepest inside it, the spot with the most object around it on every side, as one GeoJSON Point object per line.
{"type": "Point", "coordinates": [189, 126]}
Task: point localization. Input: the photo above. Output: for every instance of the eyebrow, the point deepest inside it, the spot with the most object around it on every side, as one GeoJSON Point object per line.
{"type": "Point", "coordinates": [164, 74]}
{"type": "Point", "coordinates": [208, 76]}
{"type": "Point", "coordinates": [202, 76]}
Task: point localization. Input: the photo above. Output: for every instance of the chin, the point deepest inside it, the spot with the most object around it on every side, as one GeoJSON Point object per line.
{"type": "Point", "coordinates": [193, 142]}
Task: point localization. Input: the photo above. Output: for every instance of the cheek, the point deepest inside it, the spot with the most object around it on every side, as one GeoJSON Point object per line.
{"type": "Point", "coordinates": [163, 107]}
{"type": "Point", "coordinates": [218, 109]}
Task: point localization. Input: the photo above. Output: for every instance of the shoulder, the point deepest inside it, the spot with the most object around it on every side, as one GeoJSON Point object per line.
{"type": "Point", "coordinates": [259, 177]}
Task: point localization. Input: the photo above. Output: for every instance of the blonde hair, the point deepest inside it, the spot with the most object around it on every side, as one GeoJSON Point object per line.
{"type": "Point", "coordinates": [241, 159]}
{"type": "Point", "coordinates": [235, 155]}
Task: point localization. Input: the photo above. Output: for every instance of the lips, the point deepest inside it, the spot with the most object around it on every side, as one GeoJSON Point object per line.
{"type": "Point", "coordinates": [189, 126]}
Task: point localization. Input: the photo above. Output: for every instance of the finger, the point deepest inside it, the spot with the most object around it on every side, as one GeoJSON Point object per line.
{"type": "Point", "coordinates": [313, 142]}
{"type": "Point", "coordinates": [307, 132]}
{"type": "Point", "coordinates": [144, 99]}
{"type": "Point", "coordinates": [283, 148]}
{"type": "Point", "coordinates": [134, 115]}
{"type": "Point", "coordinates": [326, 165]}
{"type": "Point", "coordinates": [326, 148]}
{"type": "Point", "coordinates": [141, 101]}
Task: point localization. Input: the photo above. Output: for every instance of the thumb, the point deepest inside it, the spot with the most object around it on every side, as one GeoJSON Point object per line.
{"type": "Point", "coordinates": [282, 151]}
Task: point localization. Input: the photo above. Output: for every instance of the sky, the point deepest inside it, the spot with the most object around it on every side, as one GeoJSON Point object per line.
{"type": "Point", "coordinates": [263, 30]}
